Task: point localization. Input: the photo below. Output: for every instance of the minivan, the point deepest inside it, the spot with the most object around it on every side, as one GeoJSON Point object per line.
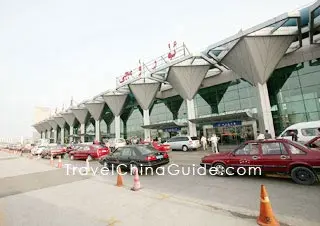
{"type": "Point", "coordinates": [304, 130]}
{"type": "Point", "coordinates": [184, 143]}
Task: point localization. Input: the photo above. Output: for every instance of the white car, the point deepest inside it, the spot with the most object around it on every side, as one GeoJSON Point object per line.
{"type": "Point", "coordinates": [116, 143]}
{"type": "Point", "coordinates": [37, 150]}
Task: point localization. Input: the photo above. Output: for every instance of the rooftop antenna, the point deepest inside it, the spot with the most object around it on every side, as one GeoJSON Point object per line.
{"type": "Point", "coordinates": [71, 102]}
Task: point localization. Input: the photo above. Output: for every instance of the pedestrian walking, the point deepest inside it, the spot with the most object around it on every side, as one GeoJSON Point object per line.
{"type": "Point", "coordinates": [204, 143]}
{"type": "Point", "coordinates": [214, 142]}
{"type": "Point", "coordinates": [267, 135]}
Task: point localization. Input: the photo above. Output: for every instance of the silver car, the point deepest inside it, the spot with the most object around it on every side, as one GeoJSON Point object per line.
{"type": "Point", "coordinates": [184, 143]}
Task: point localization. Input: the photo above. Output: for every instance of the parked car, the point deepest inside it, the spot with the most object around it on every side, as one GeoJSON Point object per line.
{"type": "Point", "coordinates": [159, 147]}
{"type": "Point", "coordinates": [37, 150]}
{"type": "Point", "coordinates": [314, 143]}
{"type": "Point", "coordinates": [304, 130]}
{"type": "Point", "coordinates": [140, 156]}
{"type": "Point", "coordinates": [90, 152]}
{"type": "Point", "coordinates": [271, 156]}
{"type": "Point", "coordinates": [184, 143]}
{"type": "Point", "coordinates": [55, 151]}
{"type": "Point", "coordinates": [114, 143]}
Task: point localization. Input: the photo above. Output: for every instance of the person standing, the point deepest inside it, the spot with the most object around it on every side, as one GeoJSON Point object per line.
{"type": "Point", "coordinates": [204, 143]}
{"type": "Point", "coordinates": [260, 136]}
{"type": "Point", "coordinates": [214, 142]}
{"type": "Point", "coordinates": [267, 135]}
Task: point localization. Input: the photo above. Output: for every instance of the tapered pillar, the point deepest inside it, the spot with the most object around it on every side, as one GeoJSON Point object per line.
{"type": "Point", "coordinates": [70, 118]}
{"type": "Point", "coordinates": [115, 102]}
{"type": "Point", "coordinates": [81, 114]}
{"type": "Point", "coordinates": [54, 126]}
{"type": "Point", "coordinates": [265, 115]}
{"type": "Point", "coordinates": [145, 91]}
{"type": "Point", "coordinates": [186, 80]}
{"type": "Point", "coordinates": [61, 122]}
{"type": "Point", "coordinates": [96, 108]}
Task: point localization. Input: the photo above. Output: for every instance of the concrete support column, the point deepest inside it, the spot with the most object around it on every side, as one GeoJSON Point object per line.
{"type": "Point", "coordinates": [55, 135]}
{"type": "Point", "coordinates": [265, 115]}
{"type": "Point", "coordinates": [146, 121]}
{"type": "Point", "coordinates": [82, 131]}
{"type": "Point", "coordinates": [48, 134]}
{"type": "Point", "coordinates": [62, 135]}
{"type": "Point", "coordinates": [108, 128]}
{"type": "Point", "coordinates": [43, 135]}
{"type": "Point", "coordinates": [191, 115]}
{"type": "Point", "coordinates": [97, 127]}
{"type": "Point", "coordinates": [71, 134]}
{"type": "Point", "coordinates": [117, 126]}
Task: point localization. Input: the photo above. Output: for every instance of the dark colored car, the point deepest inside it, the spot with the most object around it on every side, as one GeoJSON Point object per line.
{"type": "Point", "coordinates": [140, 156]}
{"type": "Point", "coordinates": [89, 152]}
{"type": "Point", "coordinates": [271, 156]}
{"type": "Point", "coordinates": [314, 143]}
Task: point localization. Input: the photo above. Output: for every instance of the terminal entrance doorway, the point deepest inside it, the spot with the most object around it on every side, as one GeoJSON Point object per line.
{"type": "Point", "coordinates": [231, 133]}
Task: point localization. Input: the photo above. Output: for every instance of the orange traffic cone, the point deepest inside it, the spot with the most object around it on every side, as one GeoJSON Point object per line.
{"type": "Point", "coordinates": [59, 162]}
{"type": "Point", "coordinates": [51, 160]}
{"type": "Point", "coordinates": [266, 217]}
{"type": "Point", "coordinates": [119, 179]}
{"type": "Point", "coordinates": [136, 181]}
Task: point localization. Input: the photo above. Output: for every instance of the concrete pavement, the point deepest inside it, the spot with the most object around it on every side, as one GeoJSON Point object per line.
{"type": "Point", "coordinates": [90, 201]}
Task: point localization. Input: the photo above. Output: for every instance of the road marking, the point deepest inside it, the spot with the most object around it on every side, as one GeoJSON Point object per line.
{"type": "Point", "coordinates": [163, 196]}
{"type": "Point", "coordinates": [112, 221]}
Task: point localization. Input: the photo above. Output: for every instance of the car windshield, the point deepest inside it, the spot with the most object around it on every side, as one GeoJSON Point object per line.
{"type": "Point", "coordinates": [146, 150]}
{"type": "Point", "coordinates": [194, 138]}
{"type": "Point", "coordinates": [299, 145]}
{"type": "Point", "coordinates": [317, 142]}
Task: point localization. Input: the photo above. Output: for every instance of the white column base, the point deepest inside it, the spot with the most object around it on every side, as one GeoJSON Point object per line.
{"type": "Point", "coordinates": [146, 121]}
{"type": "Point", "coordinates": [265, 115]}
{"type": "Point", "coordinates": [191, 115]}
{"type": "Point", "coordinates": [55, 136]}
{"type": "Point", "coordinates": [97, 128]}
{"type": "Point", "coordinates": [62, 136]}
{"type": "Point", "coordinates": [82, 131]}
{"type": "Point", "coordinates": [117, 126]}
{"type": "Point", "coordinates": [71, 134]}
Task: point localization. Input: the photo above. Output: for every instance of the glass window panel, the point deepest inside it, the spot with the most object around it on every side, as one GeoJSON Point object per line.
{"type": "Point", "coordinates": [232, 105]}
{"type": "Point", "coordinates": [311, 92]}
{"type": "Point", "coordinates": [295, 118]}
{"type": "Point", "coordinates": [231, 95]}
{"type": "Point", "coordinates": [308, 69]}
{"type": "Point", "coordinates": [310, 79]}
{"type": "Point", "coordinates": [312, 105]}
{"type": "Point", "coordinates": [314, 116]}
{"type": "Point", "coordinates": [291, 83]}
{"type": "Point", "coordinates": [289, 96]}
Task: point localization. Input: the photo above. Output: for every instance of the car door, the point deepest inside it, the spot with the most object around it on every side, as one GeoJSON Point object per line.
{"type": "Point", "coordinates": [245, 156]}
{"type": "Point", "coordinates": [126, 156]}
{"type": "Point", "coordinates": [275, 157]}
{"type": "Point", "coordinates": [113, 158]}
{"type": "Point", "coordinates": [172, 142]}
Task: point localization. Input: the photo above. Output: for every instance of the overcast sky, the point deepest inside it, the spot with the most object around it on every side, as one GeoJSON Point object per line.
{"type": "Point", "coordinates": [52, 50]}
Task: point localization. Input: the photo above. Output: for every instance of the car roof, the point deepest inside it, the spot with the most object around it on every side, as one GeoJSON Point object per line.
{"type": "Point", "coordinates": [302, 125]}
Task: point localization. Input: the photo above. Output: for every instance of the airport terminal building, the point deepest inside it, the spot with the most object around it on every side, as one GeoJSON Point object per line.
{"type": "Point", "coordinates": [266, 77]}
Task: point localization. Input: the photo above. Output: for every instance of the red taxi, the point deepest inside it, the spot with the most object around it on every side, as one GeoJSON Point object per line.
{"type": "Point", "coordinates": [270, 156]}
{"type": "Point", "coordinates": [90, 152]}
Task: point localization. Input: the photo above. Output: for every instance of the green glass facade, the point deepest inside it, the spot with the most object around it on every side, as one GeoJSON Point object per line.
{"type": "Point", "coordinates": [294, 93]}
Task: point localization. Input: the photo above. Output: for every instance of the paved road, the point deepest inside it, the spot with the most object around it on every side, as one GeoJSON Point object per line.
{"type": "Point", "coordinates": [42, 195]}
{"type": "Point", "coordinates": [239, 194]}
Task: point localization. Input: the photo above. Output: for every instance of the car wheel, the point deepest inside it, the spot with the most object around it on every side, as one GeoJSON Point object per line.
{"type": "Point", "coordinates": [303, 175]}
{"type": "Point", "coordinates": [184, 148]}
{"type": "Point", "coordinates": [220, 169]}
{"type": "Point", "coordinates": [71, 157]}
